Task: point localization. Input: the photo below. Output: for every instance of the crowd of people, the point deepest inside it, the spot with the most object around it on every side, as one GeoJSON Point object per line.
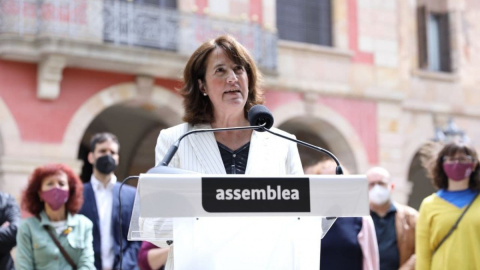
{"type": "Point", "coordinates": [75, 225]}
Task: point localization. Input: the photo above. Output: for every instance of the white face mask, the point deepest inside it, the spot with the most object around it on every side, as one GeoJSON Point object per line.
{"type": "Point", "coordinates": [379, 195]}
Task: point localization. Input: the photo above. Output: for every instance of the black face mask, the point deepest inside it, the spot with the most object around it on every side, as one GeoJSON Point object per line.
{"type": "Point", "coordinates": [105, 164]}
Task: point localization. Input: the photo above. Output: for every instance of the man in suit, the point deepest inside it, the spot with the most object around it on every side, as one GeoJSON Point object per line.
{"type": "Point", "coordinates": [101, 203]}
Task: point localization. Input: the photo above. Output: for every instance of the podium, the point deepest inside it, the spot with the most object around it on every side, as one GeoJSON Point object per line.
{"type": "Point", "coordinates": [244, 221]}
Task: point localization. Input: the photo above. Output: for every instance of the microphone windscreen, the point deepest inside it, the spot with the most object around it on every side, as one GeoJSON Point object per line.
{"type": "Point", "coordinates": [259, 115]}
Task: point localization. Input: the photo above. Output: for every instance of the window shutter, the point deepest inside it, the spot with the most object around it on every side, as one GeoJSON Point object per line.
{"type": "Point", "coordinates": [422, 37]}
{"type": "Point", "coordinates": [325, 22]}
{"type": "Point", "coordinates": [305, 21]}
{"type": "Point", "coordinates": [444, 31]}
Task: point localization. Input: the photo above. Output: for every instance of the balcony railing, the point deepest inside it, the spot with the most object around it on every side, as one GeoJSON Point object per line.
{"type": "Point", "coordinates": [129, 24]}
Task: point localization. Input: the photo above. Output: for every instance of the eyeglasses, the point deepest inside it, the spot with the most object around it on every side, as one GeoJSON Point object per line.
{"type": "Point", "coordinates": [463, 159]}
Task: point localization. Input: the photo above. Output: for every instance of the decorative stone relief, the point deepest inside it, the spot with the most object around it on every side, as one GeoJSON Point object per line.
{"type": "Point", "coordinates": [49, 76]}
{"type": "Point", "coordinates": [145, 85]}
{"type": "Point", "coordinates": [310, 100]}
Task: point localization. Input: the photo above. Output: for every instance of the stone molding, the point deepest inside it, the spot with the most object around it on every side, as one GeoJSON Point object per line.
{"type": "Point", "coordinates": [49, 76]}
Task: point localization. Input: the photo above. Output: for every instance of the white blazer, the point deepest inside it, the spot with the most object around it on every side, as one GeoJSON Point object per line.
{"type": "Point", "coordinates": [268, 154]}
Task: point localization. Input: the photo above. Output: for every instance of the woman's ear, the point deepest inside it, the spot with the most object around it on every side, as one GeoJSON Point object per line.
{"type": "Point", "coordinates": [200, 85]}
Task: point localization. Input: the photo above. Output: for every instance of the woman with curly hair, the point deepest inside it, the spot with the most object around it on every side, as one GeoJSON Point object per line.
{"type": "Point", "coordinates": [448, 226]}
{"type": "Point", "coordinates": [55, 237]}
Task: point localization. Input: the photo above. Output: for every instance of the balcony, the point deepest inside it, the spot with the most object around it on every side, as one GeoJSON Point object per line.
{"type": "Point", "coordinates": [118, 32]}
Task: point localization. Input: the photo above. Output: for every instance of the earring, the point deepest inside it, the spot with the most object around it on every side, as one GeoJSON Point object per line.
{"type": "Point", "coordinates": [205, 94]}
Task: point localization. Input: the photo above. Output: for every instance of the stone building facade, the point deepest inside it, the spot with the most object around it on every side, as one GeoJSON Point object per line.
{"type": "Point", "coordinates": [374, 86]}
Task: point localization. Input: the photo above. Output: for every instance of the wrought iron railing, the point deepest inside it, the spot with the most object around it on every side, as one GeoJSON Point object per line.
{"type": "Point", "coordinates": [129, 24]}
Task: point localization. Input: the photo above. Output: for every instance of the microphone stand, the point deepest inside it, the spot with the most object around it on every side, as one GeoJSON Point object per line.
{"type": "Point", "coordinates": [338, 169]}
{"type": "Point", "coordinates": [120, 216]}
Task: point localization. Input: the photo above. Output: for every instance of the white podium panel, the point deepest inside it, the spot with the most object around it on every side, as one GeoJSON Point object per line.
{"type": "Point", "coordinates": [181, 195]}
{"type": "Point", "coordinates": [247, 243]}
{"type": "Point", "coordinates": [243, 222]}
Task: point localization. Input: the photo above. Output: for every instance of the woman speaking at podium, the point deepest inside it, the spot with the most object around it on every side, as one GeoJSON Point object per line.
{"type": "Point", "coordinates": [221, 84]}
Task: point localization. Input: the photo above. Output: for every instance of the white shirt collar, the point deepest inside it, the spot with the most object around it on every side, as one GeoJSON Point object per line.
{"type": "Point", "coordinates": [96, 184]}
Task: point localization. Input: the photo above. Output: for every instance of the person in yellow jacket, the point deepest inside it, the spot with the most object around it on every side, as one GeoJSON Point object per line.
{"type": "Point", "coordinates": [440, 245]}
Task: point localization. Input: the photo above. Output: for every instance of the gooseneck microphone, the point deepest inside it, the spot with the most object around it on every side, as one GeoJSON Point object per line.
{"type": "Point", "coordinates": [260, 119]}
{"type": "Point", "coordinates": [259, 115]}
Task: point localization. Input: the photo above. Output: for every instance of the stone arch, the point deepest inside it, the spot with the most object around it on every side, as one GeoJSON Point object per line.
{"type": "Point", "coordinates": [154, 108]}
{"type": "Point", "coordinates": [418, 185]}
{"type": "Point", "coordinates": [10, 133]}
{"type": "Point", "coordinates": [333, 128]}
{"type": "Point", "coordinates": [8, 130]}
{"type": "Point", "coordinates": [162, 99]}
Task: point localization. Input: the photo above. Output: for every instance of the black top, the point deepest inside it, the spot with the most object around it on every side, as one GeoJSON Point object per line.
{"type": "Point", "coordinates": [235, 162]}
{"type": "Point", "coordinates": [387, 239]}
{"type": "Point", "coordinates": [9, 211]}
{"type": "Point", "coordinates": [340, 249]}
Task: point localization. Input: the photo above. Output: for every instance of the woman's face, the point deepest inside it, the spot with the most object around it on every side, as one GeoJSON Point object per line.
{"type": "Point", "coordinates": [226, 83]}
{"type": "Point", "coordinates": [59, 180]}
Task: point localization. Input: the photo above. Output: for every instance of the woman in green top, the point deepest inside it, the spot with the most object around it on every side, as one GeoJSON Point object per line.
{"type": "Point", "coordinates": [54, 196]}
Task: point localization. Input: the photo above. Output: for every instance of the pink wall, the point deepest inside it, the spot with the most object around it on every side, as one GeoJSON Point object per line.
{"type": "Point", "coordinates": [46, 120]}
{"type": "Point", "coordinates": [201, 5]}
{"type": "Point", "coordinates": [276, 99]}
{"type": "Point", "coordinates": [362, 116]}
{"type": "Point", "coordinates": [256, 9]}
{"type": "Point", "coordinates": [359, 57]}
{"type": "Point", "coordinates": [172, 85]}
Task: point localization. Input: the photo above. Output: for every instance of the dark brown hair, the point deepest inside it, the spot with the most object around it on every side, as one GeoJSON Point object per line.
{"type": "Point", "coordinates": [199, 109]}
{"type": "Point", "coordinates": [31, 200]}
{"type": "Point", "coordinates": [437, 174]}
{"type": "Point", "coordinates": [102, 137]}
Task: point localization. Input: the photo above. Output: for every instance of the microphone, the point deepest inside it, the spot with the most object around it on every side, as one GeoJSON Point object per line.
{"type": "Point", "coordinates": [260, 119]}
{"type": "Point", "coordinates": [260, 115]}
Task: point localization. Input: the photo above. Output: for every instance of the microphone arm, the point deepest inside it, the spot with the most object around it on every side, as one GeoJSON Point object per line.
{"type": "Point", "coordinates": [173, 149]}
{"type": "Point", "coordinates": [338, 169]}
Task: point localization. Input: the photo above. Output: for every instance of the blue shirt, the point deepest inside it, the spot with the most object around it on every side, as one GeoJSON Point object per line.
{"type": "Point", "coordinates": [387, 239]}
{"type": "Point", "coordinates": [458, 198]}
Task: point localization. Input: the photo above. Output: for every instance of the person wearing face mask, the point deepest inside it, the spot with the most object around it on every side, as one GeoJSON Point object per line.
{"type": "Point", "coordinates": [101, 206]}
{"type": "Point", "coordinates": [448, 228]}
{"type": "Point", "coordinates": [56, 237]}
{"type": "Point", "coordinates": [394, 223]}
